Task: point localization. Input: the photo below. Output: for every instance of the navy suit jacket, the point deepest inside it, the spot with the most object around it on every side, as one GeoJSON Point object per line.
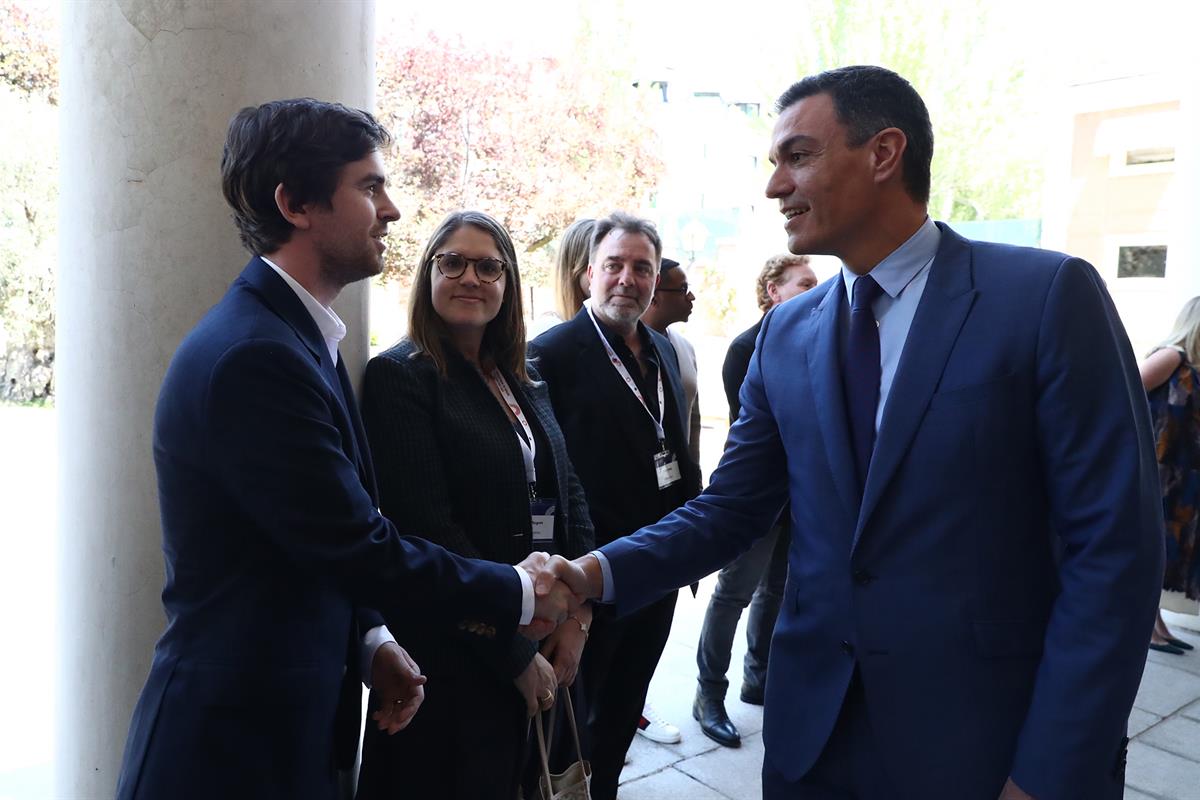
{"type": "Point", "coordinates": [272, 539]}
{"type": "Point", "coordinates": [997, 583]}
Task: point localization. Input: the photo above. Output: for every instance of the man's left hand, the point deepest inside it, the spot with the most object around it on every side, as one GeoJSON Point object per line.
{"type": "Point", "coordinates": [399, 685]}
{"type": "Point", "coordinates": [1013, 792]}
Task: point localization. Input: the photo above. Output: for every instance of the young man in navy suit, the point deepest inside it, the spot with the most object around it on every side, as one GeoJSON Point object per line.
{"type": "Point", "coordinates": [976, 526]}
{"type": "Point", "coordinates": [273, 540]}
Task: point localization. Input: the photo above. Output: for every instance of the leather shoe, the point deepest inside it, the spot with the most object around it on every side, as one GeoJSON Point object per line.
{"type": "Point", "coordinates": [752, 694]}
{"type": "Point", "coordinates": [1180, 643]}
{"type": "Point", "coordinates": [715, 723]}
{"type": "Point", "coordinates": [1162, 648]}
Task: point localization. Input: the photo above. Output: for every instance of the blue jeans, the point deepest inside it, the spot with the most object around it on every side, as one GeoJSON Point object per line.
{"type": "Point", "coordinates": [756, 579]}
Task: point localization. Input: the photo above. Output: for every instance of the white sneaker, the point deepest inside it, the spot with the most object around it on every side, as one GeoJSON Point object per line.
{"type": "Point", "coordinates": [656, 729]}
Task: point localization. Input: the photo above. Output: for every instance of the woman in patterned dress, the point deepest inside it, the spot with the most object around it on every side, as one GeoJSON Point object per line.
{"type": "Point", "coordinates": [1172, 383]}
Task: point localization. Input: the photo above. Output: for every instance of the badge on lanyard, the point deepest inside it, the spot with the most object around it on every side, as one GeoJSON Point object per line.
{"type": "Point", "coordinates": [666, 467]}
{"type": "Point", "coordinates": [541, 510]}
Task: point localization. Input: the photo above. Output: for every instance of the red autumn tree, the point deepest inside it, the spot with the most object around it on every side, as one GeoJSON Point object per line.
{"type": "Point", "coordinates": [536, 143]}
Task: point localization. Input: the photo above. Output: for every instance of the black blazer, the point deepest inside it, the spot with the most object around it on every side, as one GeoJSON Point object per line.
{"type": "Point", "coordinates": [604, 425]}
{"type": "Point", "coordinates": [449, 467]}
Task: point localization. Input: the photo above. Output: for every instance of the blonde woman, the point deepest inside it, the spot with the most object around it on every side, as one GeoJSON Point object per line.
{"type": "Point", "coordinates": [1172, 383]}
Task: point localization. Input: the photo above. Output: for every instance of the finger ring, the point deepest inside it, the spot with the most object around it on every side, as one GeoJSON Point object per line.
{"type": "Point", "coordinates": [549, 695]}
{"type": "Point", "coordinates": [399, 702]}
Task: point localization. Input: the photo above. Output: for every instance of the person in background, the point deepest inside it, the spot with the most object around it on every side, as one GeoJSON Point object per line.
{"type": "Point", "coordinates": [672, 302]}
{"type": "Point", "coordinates": [1172, 383]}
{"type": "Point", "coordinates": [757, 577]}
{"type": "Point", "coordinates": [616, 390]}
{"type": "Point", "coordinates": [469, 453]}
{"type": "Point", "coordinates": [570, 276]}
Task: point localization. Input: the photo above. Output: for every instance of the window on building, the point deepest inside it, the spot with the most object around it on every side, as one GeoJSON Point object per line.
{"type": "Point", "coordinates": [1142, 261]}
{"type": "Point", "coordinates": [1149, 155]}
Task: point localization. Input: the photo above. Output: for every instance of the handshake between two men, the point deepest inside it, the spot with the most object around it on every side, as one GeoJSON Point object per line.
{"type": "Point", "coordinates": [560, 588]}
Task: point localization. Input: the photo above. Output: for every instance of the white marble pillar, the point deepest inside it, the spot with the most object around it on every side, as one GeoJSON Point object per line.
{"type": "Point", "coordinates": [147, 245]}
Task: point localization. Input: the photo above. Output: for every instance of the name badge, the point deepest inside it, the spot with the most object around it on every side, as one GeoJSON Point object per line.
{"type": "Point", "coordinates": [541, 511]}
{"type": "Point", "coordinates": [666, 466]}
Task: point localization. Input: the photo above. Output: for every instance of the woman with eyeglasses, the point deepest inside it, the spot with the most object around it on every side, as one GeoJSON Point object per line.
{"type": "Point", "coordinates": [468, 454]}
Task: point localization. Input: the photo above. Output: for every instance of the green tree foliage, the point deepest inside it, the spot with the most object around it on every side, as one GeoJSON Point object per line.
{"type": "Point", "coordinates": [535, 142]}
{"type": "Point", "coordinates": [970, 60]}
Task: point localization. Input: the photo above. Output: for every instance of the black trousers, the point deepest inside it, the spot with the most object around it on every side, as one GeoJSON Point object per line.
{"type": "Point", "coordinates": [618, 662]}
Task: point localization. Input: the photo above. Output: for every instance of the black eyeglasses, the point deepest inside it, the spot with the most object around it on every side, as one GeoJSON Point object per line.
{"type": "Point", "coordinates": [453, 265]}
{"type": "Point", "coordinates": [683, 289]}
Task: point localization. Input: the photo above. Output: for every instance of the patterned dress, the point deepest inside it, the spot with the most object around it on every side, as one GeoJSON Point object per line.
{"type": "Point", "coordinates": [1175, 408]}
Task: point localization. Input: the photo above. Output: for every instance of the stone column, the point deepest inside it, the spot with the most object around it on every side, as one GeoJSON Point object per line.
{"type": "Point", "coordinates": [147, 245]}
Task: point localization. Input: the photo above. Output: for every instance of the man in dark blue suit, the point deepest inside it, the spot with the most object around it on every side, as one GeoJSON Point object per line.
{"type": "Point", "coordinates": [273, 540]}
{"type": "Point", "coordinates": [976, 530]}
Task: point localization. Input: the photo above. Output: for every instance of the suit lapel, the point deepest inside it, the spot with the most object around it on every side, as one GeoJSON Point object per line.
{"type": "Point", "coordinates": [283, 301]}
{"type": "Point", "coordinates": [948, 297]}
{"type": "Point", "coordinates": [826, 377]}
{"type": "Point", "coordinates": [608, 382]}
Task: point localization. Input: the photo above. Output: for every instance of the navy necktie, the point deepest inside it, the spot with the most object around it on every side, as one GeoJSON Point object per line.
{"type": "Point", "coordinates": [860, 372]}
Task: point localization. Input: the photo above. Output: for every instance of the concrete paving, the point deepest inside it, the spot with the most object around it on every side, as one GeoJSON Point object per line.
{"type": "Point", "coordinates": [1164, 754]}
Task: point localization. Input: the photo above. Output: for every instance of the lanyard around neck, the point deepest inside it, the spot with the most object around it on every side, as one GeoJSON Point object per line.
{"type": "Point", "coordinates": [528, 445]}
{"type": "Point", "coordinates": [619, 366]}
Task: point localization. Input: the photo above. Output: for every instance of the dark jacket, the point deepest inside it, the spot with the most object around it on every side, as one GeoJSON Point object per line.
{"type": "Point", "coordinates": [449, 465]}
{"type": "Point", "coordinates": [272, 537]}
{"type": "Point", "coordinates": [610, 437]}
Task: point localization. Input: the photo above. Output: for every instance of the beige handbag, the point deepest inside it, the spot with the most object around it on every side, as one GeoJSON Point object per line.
{"type": "Point", "coordinates": [573, 783]}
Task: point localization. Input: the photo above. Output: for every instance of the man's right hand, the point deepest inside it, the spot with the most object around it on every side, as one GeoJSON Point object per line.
{"type": "Point", "coordinates": [537, 684]}
{"type": "Point", "coordinates": [556, 587]}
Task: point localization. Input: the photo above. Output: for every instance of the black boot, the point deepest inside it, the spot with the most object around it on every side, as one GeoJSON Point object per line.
{"type": "Point", "coordinates": [715, 723]}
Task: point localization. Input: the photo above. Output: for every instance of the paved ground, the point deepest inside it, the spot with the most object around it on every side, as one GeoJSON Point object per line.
{"type": "Point", "coordinates": [1164, 759]}
{"type": "Point", "coordinates": [1164, 756]}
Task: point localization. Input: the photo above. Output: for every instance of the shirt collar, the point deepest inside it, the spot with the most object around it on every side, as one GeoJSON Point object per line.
{"type": "Point", "coordinates": [904, 263]}
{"type": "Point", "coordinates": [332, 329]}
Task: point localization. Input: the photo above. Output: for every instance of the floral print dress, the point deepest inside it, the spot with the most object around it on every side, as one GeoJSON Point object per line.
{"type": "Point", "coordinates": [1175, 409]}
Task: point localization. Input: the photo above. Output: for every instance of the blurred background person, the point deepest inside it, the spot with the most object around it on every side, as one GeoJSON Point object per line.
{"type": "Point", "coordinates": [757, 577]}
{"type": "Point", "coordinates": [570, 277]}
{"type": "Point", "coordinates": [1172, 383]}
{"type": "Point", "coordinates": [468, 452]}
{"type": "Point", "coordinates": [672, 302]}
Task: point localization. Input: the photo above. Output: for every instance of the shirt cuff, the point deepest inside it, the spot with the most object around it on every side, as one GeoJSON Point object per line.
{"type": "Point", "coordinates": [372, 641]}
{"type": "Point", "coordinates": [606, 571]}
{"type": "Point", "coordinates": [526, 597]}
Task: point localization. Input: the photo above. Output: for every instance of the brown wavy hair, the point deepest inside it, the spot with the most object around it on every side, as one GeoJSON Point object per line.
{"type": "Point", "coordinates": [504, 338]}
{"type": "Point", "coordinates": [772, 271]}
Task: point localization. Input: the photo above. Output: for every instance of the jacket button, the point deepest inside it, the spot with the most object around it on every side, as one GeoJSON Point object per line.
{"type": "Point", "coordinates": [862, 577]}
{"type": "Point", "coordinates": [847, 648]}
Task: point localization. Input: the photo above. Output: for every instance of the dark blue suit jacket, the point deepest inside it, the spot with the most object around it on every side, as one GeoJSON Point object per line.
{"type": "Point", "coordinates": [997, 583]}
{"type": "Point", "coordinates": [272, 538]}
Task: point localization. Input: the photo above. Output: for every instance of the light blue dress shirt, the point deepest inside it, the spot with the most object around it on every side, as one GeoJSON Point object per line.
{"type": "Point", "coordinates": [902, 276]}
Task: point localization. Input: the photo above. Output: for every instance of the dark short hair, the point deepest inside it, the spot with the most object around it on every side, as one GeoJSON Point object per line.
{"type": "Point", "coordinates": [867, 100]}
{"type": "Point", "coordinates": [619, 220]}
{"type": "Point", "coordinates": [504, 337]}
{"type": "Point", "coordinates": [302, 144]}
{"type": "Point", "coordinates": [668, 264]}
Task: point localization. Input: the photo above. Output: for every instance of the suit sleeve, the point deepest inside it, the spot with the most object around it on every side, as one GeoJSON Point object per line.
{"type": "Point", "coordinates": [1102, 484]}
{"type": "Point", "coordinates": [271, 425]}
{"type": "Point", "coordinates": [399, 414]}
{"type": "Point", "coordinates": [733, 372]}
{"type": "Point", "coordinates": [741, 502]}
